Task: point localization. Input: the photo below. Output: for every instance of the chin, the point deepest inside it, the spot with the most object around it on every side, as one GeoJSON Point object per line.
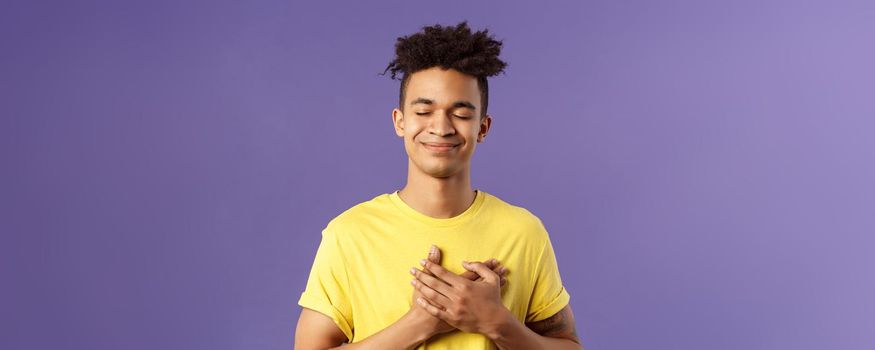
{"type": "Point", "coordinates": [440, 172]}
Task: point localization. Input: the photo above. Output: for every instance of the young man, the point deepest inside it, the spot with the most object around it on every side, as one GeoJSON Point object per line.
{"type": "Point", "coordinates": [369, 285]}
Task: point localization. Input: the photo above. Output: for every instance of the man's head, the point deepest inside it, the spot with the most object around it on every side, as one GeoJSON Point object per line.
{"type": "Point", "coordinates": [444, 94]}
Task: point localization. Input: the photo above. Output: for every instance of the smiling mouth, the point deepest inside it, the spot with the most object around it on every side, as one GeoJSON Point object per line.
{"type": "Point", "coordinates": [437, 148]}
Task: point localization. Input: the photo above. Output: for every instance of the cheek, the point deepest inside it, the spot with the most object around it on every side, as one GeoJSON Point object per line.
{"type": "Point", "coordinates": [410, 141]}
{"type": "Point", "coordinates": [410, 138]}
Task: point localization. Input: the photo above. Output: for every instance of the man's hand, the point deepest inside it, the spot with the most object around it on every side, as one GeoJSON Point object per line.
{"type": "Point", "coordinates": [473, 306]}
{"type": "Point", "coordinates": [435, 324]}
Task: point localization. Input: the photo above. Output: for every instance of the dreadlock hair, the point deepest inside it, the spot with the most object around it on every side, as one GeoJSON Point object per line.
{"type": "Point", "coordinates": [448, 47]}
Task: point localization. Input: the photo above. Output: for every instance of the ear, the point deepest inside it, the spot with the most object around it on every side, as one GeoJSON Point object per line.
{"type": "Point", "coordinates": [485, 124]}
{"type": "Point", "coordinates": [398, 122]}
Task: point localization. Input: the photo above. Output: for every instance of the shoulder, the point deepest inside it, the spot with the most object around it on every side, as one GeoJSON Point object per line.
{"type": "Point", "coordinates": [518, 216]}
{"type": "Point", "coordinates": [348, 221]}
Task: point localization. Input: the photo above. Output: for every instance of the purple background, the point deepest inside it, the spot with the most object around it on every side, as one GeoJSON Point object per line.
{"type": "Point", "coordinates": [705, 169]}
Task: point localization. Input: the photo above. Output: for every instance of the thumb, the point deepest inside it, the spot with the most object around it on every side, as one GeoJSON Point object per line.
{"type": "Point", "coordinates": [434, 255]}
{"type": "Point", "coordinates": [482, 270]}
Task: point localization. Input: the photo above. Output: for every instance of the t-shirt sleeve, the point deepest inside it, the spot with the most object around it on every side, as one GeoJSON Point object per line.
{"type": "Point", "coordinates": [549, 295]}
{"type": "Point", "coordinates": [327, 288]}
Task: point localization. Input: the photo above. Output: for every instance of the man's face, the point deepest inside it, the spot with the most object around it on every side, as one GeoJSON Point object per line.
{"type": "Point", "coordinates": [441, 122]}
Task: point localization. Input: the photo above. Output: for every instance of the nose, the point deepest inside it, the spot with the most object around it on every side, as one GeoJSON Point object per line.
{"type": "Point", "coordinates": [441, 125]}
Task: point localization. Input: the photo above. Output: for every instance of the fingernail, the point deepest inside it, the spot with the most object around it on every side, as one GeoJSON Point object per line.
{"type": "Point", "coordinates": [413, 271]}
{"type": "Point", "coordinates": [464, 263]}
{"type": "Point", "coordinates": [422, 262]}
{"type": "Point", "coordinates": [433, 249]}
{"type": "Point", "coordinates": [413, 282]}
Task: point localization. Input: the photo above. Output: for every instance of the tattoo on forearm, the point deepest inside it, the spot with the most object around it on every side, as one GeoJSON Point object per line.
{"type": "Point", "coordinates": [560, 325]}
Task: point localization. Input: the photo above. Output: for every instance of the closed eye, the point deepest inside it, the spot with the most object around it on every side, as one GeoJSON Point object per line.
{"type": "Point", "coordinates": [457, 116]}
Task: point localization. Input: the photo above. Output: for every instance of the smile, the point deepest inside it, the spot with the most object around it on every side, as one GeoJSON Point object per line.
{"type": "Point", "coordinates": [439, 148]}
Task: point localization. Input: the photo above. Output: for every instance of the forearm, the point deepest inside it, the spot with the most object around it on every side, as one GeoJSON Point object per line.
{"type": "Point", "coordinates": [403, 334]}
{"type": "Point", "coordinates": [513, 334]}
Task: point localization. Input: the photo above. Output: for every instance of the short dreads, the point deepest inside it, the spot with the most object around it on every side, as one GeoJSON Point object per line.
{"type": "Point", "coordinates": [448, 47]}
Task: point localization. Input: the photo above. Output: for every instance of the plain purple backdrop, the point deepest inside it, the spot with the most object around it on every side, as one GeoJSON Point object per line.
{"type": "Point", "coordinates": [705, 169]}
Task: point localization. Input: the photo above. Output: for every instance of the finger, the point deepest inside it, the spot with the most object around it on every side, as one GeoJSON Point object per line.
{"type": "Point", "coordinates": [502, 280]}
{"type": "Point", "coordinates": [492, 263]}
{"type": "Point", "coordinates": [483, 271]}
{"type": "Point", "coordinates": [434, 255]}
{"type": "Point", "coordinates": [432, 281]}
{"type": "Point", "coordinates": [497, 268]}
{"type": "Point", "coordinates": [469, 275]}
{"type": "Point", "coordinates": [433, 296]}
{"type": "Point", "coordinates": [472, 276]}
{"type": "Point", "coordinates": [434, 311]}
{"type": "Point", "coordinates": [442, 273]}
{"type": "Point", "coordinates": [501, 271]}
{"type": "Point", "coordinates": [427, 301]}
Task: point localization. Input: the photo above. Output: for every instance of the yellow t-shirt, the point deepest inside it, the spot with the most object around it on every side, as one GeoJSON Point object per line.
{"type": "Point", "coordinates": [360, 276]}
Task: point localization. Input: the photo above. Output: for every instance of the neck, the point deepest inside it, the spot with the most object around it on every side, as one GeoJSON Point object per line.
{"type": "Point", "coordinates": [439, 198]}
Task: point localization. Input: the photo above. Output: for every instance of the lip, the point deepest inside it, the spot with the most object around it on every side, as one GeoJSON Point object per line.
{"type": "Point", "coordinates": [439, 147]}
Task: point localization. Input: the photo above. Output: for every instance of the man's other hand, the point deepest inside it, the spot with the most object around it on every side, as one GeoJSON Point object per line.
{"type": "Point", "coordinates": [435, 324]}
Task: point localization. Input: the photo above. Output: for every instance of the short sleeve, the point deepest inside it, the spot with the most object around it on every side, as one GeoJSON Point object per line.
{"type": "Point", "coordinates": [549, 295]}
{"type": "Point", "coordinates": [327, 288]}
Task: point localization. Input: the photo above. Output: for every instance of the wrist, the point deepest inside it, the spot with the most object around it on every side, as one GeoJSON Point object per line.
{"type": "Point", "coordinates": [501, 326]}
{"type": "Point", "coordinates": [417, 326]}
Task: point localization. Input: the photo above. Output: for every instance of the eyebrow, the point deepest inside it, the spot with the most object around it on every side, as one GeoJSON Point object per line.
{"type": "Point", "coordinates": [457, 104]}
